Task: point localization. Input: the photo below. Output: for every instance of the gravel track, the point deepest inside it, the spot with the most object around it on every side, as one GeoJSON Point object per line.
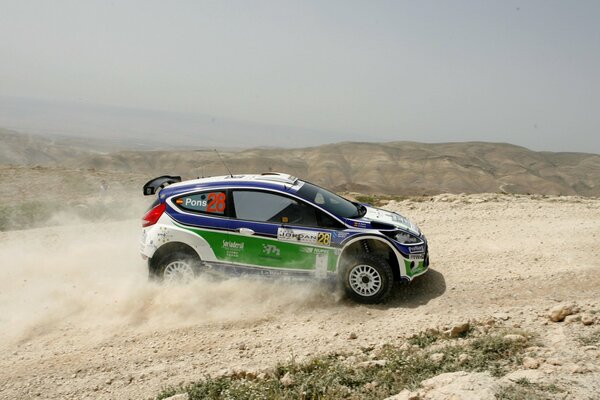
{"type": "Point", "coordinates": [78, 319]}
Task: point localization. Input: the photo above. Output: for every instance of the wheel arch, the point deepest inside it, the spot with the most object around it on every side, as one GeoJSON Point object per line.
{"type": "Point", "coordinates": [169, 248]}
{"type": "Point", "coordinates": [376, 245]}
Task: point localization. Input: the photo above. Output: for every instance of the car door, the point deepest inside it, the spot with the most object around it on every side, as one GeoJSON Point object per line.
{"type": "Point", "coordinates": [282, 234]}
{"type": "Point", "coordinates": [205, 213]}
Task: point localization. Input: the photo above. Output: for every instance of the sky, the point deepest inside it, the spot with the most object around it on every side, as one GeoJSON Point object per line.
{"type": "Point", "coordinates": [523, 72]}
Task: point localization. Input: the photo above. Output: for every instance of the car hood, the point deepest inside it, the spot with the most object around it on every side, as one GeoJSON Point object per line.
{"type": "Point", "coordinates": [392, 218]}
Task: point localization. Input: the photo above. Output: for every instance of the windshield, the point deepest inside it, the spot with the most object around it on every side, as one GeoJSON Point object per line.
{"type": "Point", "coordinates": [331, 202]}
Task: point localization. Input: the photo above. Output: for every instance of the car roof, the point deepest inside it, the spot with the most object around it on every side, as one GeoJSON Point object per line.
{"type": "Point", "coordinates": [268, 180]}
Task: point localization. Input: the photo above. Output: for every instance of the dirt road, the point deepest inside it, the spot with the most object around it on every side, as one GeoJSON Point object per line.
{"type": "Point", "coordinates": [78, 319]}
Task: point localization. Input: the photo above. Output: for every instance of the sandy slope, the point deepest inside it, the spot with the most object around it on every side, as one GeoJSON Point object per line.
{"type": "Point", "coordinates": [401, 168]}
{"type": "Point", "coordinates": [79, 320]}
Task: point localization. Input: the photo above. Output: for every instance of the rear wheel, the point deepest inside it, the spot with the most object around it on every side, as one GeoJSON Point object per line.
{"type": "Point", "coordinates": [368, 279]}
{"type": "Point", "coordinates": [177, 267]}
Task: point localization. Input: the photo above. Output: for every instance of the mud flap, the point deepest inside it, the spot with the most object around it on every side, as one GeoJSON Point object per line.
{"type": "Point", "coordinates": [322, 260]}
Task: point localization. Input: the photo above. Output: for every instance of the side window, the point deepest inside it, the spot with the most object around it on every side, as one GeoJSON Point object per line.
{"type": "Point", "coordinates": [205, 202]}
{"type": "Point", "coordinates": [267, 207]}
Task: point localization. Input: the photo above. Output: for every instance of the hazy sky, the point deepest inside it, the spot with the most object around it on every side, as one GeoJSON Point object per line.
{"type": "Point", "coordinates": [525, 72]}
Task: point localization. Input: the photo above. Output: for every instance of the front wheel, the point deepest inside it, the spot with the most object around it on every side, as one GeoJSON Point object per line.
{"type": "Point", "coordinates": [177, 267]}
{"type": "Point", "coordinates": [368, 279]}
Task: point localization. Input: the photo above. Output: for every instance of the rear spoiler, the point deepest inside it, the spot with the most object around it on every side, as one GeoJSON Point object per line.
{"type": "Point", "coordinates": [154, 185]}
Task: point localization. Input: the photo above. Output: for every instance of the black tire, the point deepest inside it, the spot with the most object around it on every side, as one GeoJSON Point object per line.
{"type": "Point", "coordinates": [368, 279]}
{"type": "Point", "coordinates": [176, 266]}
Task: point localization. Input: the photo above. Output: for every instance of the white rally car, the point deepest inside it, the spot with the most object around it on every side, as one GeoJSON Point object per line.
{"type": "Point", "coordinates": [275, 224]}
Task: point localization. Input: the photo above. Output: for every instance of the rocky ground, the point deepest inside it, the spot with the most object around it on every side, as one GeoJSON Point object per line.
{"type": "Point", "coordinates": [79, 320]}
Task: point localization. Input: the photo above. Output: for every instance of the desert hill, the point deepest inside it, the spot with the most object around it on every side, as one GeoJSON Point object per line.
{"type": "Point", "coordinates": [406, 168]}
{"type": "Point", "coordinates": [23, 149]}
{"type": "Point", "coordinates": [398, 168]}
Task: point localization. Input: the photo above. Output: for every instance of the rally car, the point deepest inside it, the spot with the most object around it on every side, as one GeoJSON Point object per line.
{"type": "Point", "coordinates": [275, 224]}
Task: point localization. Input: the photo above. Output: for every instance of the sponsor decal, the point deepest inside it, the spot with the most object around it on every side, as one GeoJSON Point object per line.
{"type": "Point", "coordinates": [297, 235]}
{"type": "Point", "coordinates": [232, 248]}
{"type": "Point", "coordinates": [340, 235]}
{"type": "Point", "coordinates": [398, 218]}
{"type": "Point", "coordinates": [324, 238]}
{"type": "Point", "coordinates": [304, 236]}
{"type": "Point", "coordinates": [213, 202]}
{"type": "Point", "coordinates": [414, 267]}
{"type": "Point", "coordinates": [271, 250]}
{"type": "Point", "coordinates": [416, 257]}
{"type": "Point", "coordinates": [163, 235]}
{"type": "Point", "coordinates": [358, 224]}
{"type": "Point", "coordinates": [191, 202]}
{"type": "Point", "coordinates": [417, 249]}
{"type": "Point", "coordinates": [227, 244]}
{"type": "Point", "coordinates": [318, 251]}
{"type": "Point", "coordinates": [314, 250]}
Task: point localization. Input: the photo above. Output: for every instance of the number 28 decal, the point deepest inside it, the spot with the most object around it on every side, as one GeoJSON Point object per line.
{"type": "Point", "coordinates": [216, 203]}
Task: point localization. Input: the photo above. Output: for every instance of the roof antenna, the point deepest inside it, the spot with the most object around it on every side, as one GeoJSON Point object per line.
{"type": "Point", "coordinates": [221, 158]}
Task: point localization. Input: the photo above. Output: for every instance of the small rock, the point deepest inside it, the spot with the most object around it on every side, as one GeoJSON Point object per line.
{"type": "Point", "coordinates": [372, 363]}
{"type": "Point", "coordinates": [554, 361]}
{"type": "Point", "coordinates": [437, 357]}
{"type": "Point", "coordinates": [371, 385]}
{"type": "Point", "coordinates": [587, 319]}
{"type": "Point", "coordinates": [502, 316]}
{"type": "Point", "coordinates": [463, 358]}
{"type": "Point", "coordinates": [531, 363]}
{"type": "Point", "coordinates": [287, 380]}
{"type": "Point", "coordinates": [515, 338]}
{"type": "Point", "coordinates": [352, 336]}
{"type": "Point", "coordinates": [180, 396]}
{"type": "Point", "coordinates": [532, 375]}
{"type": "Point", "coordinates": [458, 330]}
{"type": "Point", "coordinates": [569, 319]}
{"type": "Point", "coordinates": [238, 373]}
{"type": "Point", "coordinates": [579, 369]}
{"type": "Point", "coordinates": [405, 347]}
{"type": "Point", "coordinates": [560, 312]}
{"type": "Point", "coordinates": [405, 395]}
{"type": "Point", "coordinates": [432, 331]}
{"type": "Point", "coordinates": [461, 385]}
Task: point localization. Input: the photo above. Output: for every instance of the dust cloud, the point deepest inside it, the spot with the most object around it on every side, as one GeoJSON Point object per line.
{"type": "Point", "coordinates": [91, 277]}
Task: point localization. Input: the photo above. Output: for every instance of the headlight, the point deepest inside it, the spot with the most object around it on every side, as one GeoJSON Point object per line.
{"type": "Point", "coordinates": [406, 238]}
